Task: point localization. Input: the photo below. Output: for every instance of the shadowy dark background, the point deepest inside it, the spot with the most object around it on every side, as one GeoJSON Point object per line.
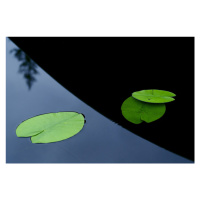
{"type": "Point", "coordinates": [104, 71]}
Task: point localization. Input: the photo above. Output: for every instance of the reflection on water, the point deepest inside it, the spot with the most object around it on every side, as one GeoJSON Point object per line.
{"type": "Point", "coordinates": [27, 66]}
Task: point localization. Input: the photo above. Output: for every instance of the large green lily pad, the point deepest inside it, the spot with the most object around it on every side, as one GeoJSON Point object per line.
{"type": "Point", "coordinates": [136, 111]}
{"type": "Point", "coordinates": [51, 127]}
{"type": "Point", "coordinates": [154, 96]}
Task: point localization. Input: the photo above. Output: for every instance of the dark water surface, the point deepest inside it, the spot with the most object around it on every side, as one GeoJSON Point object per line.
{"type": "Point", "coordinates": [32, 91]}
{"type": "Point", "coordinates": [104, 71]}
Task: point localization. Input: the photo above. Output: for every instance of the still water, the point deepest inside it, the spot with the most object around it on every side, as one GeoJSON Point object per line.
{"type": "Point", "coordinates": [30, 91]}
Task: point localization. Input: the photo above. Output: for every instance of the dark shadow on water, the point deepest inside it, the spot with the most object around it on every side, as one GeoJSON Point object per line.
{"type": "Point", "coordinates": [27, 67]}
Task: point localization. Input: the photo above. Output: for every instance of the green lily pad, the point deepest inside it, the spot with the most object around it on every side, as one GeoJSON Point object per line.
{"type": "Point", "coordinates": [154, 96]}
{"type": "Point", "coordinates": [136, 111]}
{"type": "Point", "coordinates": [51, 127]}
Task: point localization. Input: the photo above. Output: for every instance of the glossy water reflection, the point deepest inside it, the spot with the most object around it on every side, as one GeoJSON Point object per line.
{"type": "Point", "coordinates": [100, 141]}
{"type": "Point", "coordinates": [27, 66]}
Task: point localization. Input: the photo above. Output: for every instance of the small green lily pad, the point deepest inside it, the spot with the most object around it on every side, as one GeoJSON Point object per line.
{"type": "Point", "coordinates": [154, 96]}
{"type": "Point", "coordinates": [51, 127]}
{"type": "Point", "coordinates": [136, 111]}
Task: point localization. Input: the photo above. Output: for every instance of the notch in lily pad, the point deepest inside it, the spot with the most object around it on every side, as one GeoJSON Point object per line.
{"type": "Point", "coordinates": [51, 127]}
{"type": "Point", "coordinates": [154, 96]}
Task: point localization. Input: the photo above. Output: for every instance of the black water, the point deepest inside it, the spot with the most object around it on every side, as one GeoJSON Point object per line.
{"type": "Point", "coordinates": [32, 92]}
